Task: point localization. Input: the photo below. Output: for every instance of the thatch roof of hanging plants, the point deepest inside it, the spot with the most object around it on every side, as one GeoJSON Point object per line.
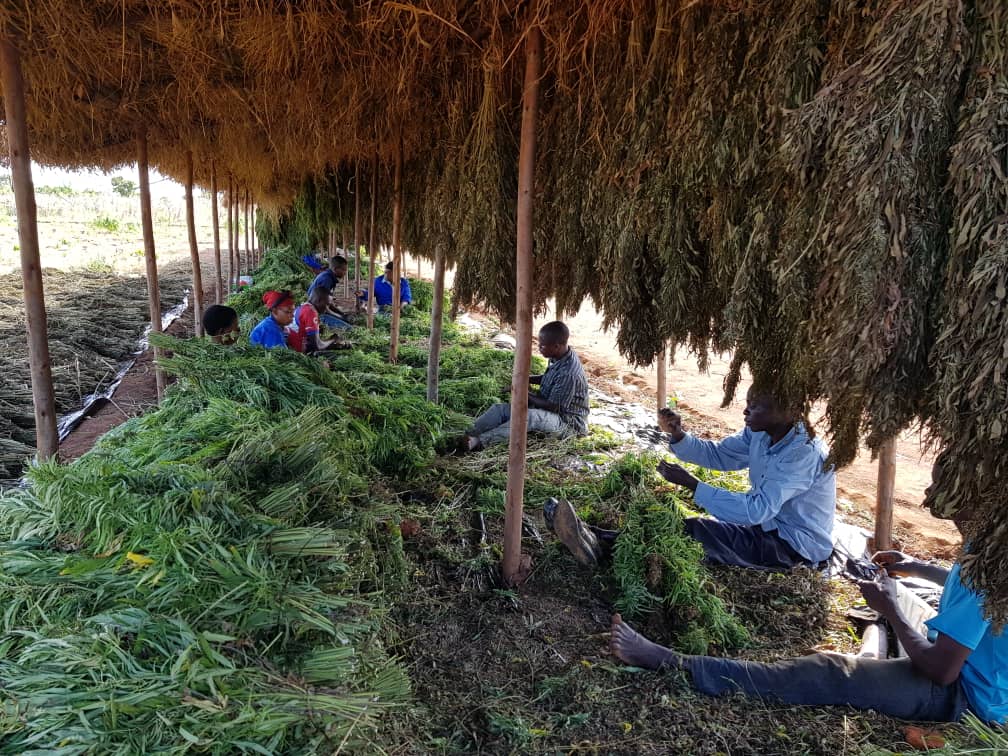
{"type": "Point", "coordinates": [817, 186]}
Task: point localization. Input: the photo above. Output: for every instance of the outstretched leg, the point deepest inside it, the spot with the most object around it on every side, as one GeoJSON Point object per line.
{"type": "Point", "coordinates": [889, 686]}
{"type": "Point", "coordinates": [634, 649]}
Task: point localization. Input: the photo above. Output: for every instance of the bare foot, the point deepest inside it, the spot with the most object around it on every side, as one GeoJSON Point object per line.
{"type": "Point", "coordinates": [632, 648]}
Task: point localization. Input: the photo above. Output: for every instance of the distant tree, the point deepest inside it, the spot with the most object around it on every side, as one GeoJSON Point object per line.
{"type": "Point", "coordinates": [123, 187]}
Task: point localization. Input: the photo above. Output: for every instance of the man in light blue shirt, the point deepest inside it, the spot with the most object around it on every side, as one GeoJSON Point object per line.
{"type": "Point", "coordinates": [786, 517]}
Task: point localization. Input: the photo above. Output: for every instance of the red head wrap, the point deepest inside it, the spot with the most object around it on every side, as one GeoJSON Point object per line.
{"type": "Point", "coordinates": [274, 299]}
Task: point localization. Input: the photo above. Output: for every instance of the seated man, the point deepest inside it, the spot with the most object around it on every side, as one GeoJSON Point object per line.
{"type": "Point", "coordinates": [559, 407]}
{"type": "Point", "coordinates": [328, 279]}
{"type": "Point", "coordinates": [303, 334]}
{"type": "Point", "coordinates": [383, 290]}
{"type": "Point", "coordinates": [785, 519]}
{"type": "Point", "coordinates": [220, 323]}
{"type": "Point", "coordinates": [957, 665]}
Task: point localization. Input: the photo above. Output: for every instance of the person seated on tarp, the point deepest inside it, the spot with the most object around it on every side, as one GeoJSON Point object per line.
{"type": "Point", "coordinates": [315, 262]}
{"type": "Point", "coordinates": [784, 520]}
{"type": "Point", "coordinates": [383, 290]}
{"type": "Point", "coordinates": [271, 332]}
{"type": "Point", "coordinates": [304, 333]}
{"type": "Point", "coordinates": [955, 660]}
{"type": "Point", "coordinates": [331, 316]}
{"type": "Point", "coordinates": [220, 323]}
{"type": "Point", "coordinates": [558, 408]}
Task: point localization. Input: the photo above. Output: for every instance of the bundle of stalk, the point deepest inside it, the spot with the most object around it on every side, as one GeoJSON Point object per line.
{"type": "Point", "coordinates": [968, 410]}
{"type": "Point", "coordinates": [214, 562]}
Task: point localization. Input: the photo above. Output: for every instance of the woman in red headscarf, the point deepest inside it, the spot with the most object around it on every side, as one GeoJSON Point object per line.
{"type": "Point", "coordinates": [272, 331]}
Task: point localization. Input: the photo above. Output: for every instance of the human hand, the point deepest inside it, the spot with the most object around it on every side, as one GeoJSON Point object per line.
{"type": "Point", "coordinates": [671, 422]}
{"type": "Point", "coordinates": [880, 594]}
{"type": "Point", "coordinates": [677, 474]}
{"type": "Point", "coordinates": [896, 563]}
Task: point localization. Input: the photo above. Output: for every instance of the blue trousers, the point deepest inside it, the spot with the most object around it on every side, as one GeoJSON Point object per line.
{"type": "Point", "coordinates": [334, 321]}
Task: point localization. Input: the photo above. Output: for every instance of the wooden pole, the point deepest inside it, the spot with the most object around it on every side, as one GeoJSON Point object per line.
{"type": "Point", "coordinates": [345, 251]}
{"type": "Point", "coordinates": [884, 500]}
{"type": "Point", "coordinates": [512, 568]}
{"type": "Point", "coordinates": [248, 238]}
{"type": "Point", "coordinates": [197, 272]}
{"type": "Point", "coordinates": [662, 383]}
{"type": "Point", "coordinates": [437, 321]}
{"type": "Point", "coordinates": [150, 255]}
{"type": "Point", "coordinates": [236, 231]}
{"type": "Point", "coordinates": [418, 267]}
{"type": "Point", "coordinates": [357, 229]}
{"type": "Point", "coordinates": [214, 210]}
{"type": "Point", "coordinates": [43, 397]}
{"type": "Point", "coordinates": [232, 276]}
{"type": "Point", "coordinates": [397, 270]}
{"type": "Point", "coordinates": [372, 242]}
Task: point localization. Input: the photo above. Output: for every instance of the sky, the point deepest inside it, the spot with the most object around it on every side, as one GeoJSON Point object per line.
{"type": "Point", "coordinates": [102, 182]}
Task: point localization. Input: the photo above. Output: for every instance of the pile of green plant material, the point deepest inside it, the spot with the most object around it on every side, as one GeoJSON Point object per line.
{"type": "Point", "coordinates": [212, 573]}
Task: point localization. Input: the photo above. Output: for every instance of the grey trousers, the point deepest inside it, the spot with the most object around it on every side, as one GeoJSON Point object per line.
{"type": "Point", "coordinates": [888, 686]}
{"type": "Point", "coordinates": [494, 425]}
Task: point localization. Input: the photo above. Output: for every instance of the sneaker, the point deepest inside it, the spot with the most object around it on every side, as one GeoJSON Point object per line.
{"type": "Point", "coordinates": [573, 534]}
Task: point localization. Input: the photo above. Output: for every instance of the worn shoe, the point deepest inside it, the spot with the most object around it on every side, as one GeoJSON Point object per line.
{"type": "Point", "coordinates": [573, 534]}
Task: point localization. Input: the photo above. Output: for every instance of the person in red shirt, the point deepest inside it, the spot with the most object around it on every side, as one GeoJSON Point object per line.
{"type": "Point", "coordinates": [304, 333]}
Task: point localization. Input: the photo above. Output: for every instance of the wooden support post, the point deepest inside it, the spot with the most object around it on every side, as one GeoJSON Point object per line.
{"type": "Point", "coordinates": [197, 272]}
{"type": "Point", "coordinates": [40, 366]}
{"type": "Point", "coordinates": [661, 382]}
{"type": "Point", "coordinates": [372, 242]}
{"type": "Point", "coordinates": [232, 275]}
{"type": "Point", "coordinates": [397, 269]}
{"type": "Point", "coordinates": [512, 568]}
{"type": "Point", "coordinates": [884, 495]}
{"type": "Point", "coordinates": [150, 256]}
{"type": "Point", "coordinates": [248, 238]}
{"type": "Point", "coordinates": [418, 267]}
{"type": "Point", "coordinates": [357, 229]}
{"type": "Point", "coordinates": [437, 321]}
{"type": "Point", "coordinates": [214, 210]}
{"type": "Point", "coordinates": [236, 230]}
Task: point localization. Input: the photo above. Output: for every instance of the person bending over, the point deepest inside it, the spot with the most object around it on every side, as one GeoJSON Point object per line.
{"type": "Point", "coordinates": [383, 290]}
{"type": "Point", "coordinates": [954, 662]}
{"type": "Point", "coordinates": [331, 315]}
{"type": "Point", "coordinates": [221, 324]}
{"type": "Point", "coordinates": [558, 408]}
{"type": "Point", "coordinates": [304, 335]}
{"type": "Point", "coordinates": [785, 519]}
{"type": "Point", "coordinates": [271, 332]}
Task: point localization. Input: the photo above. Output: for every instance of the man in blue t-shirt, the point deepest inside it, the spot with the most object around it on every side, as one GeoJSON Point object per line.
{"type": "Point", "coordinates": [958, 665]}
{"type": "Point", "coordinates": [383, 290]}
{"type": "Point", "coordinates": [327, 279]}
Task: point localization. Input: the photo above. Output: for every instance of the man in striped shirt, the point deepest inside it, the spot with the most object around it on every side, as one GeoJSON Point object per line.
{"type": "Point", "coordinates": [558, 408]}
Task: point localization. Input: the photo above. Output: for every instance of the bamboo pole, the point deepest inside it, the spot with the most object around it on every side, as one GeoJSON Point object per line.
{"type": "Point", "coordinates": [884, 500]}
{"type": "Point", "coordinates": [372, 242]}
{"type": "Point", "coordinates": [662, 383]}
{"type": "Point", "coordinates": [357, 230]}
{"type": "Point", "coordinates": [345, 251]}
{"type": "Point", "coordinates": [397, 270]}
{"type": "Point", "coordinates": [197, 272]}
{"type": "Point", "coordinates": [40, 365]}
{"type": "Point", "coordinates": [512, 569]}
{"type": "Point", "coordinates": [437, 322]}
{"type": "Point", "coordinates": [214, 210]}
{"type": "Point", "coordinates": [150, 254]}
{"type": "Point", "coordinates": [236, 230]}
{"type": "Point", "coordinates": [232, 276]}
{"type": "Point", "coordinates": [248, 242]}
